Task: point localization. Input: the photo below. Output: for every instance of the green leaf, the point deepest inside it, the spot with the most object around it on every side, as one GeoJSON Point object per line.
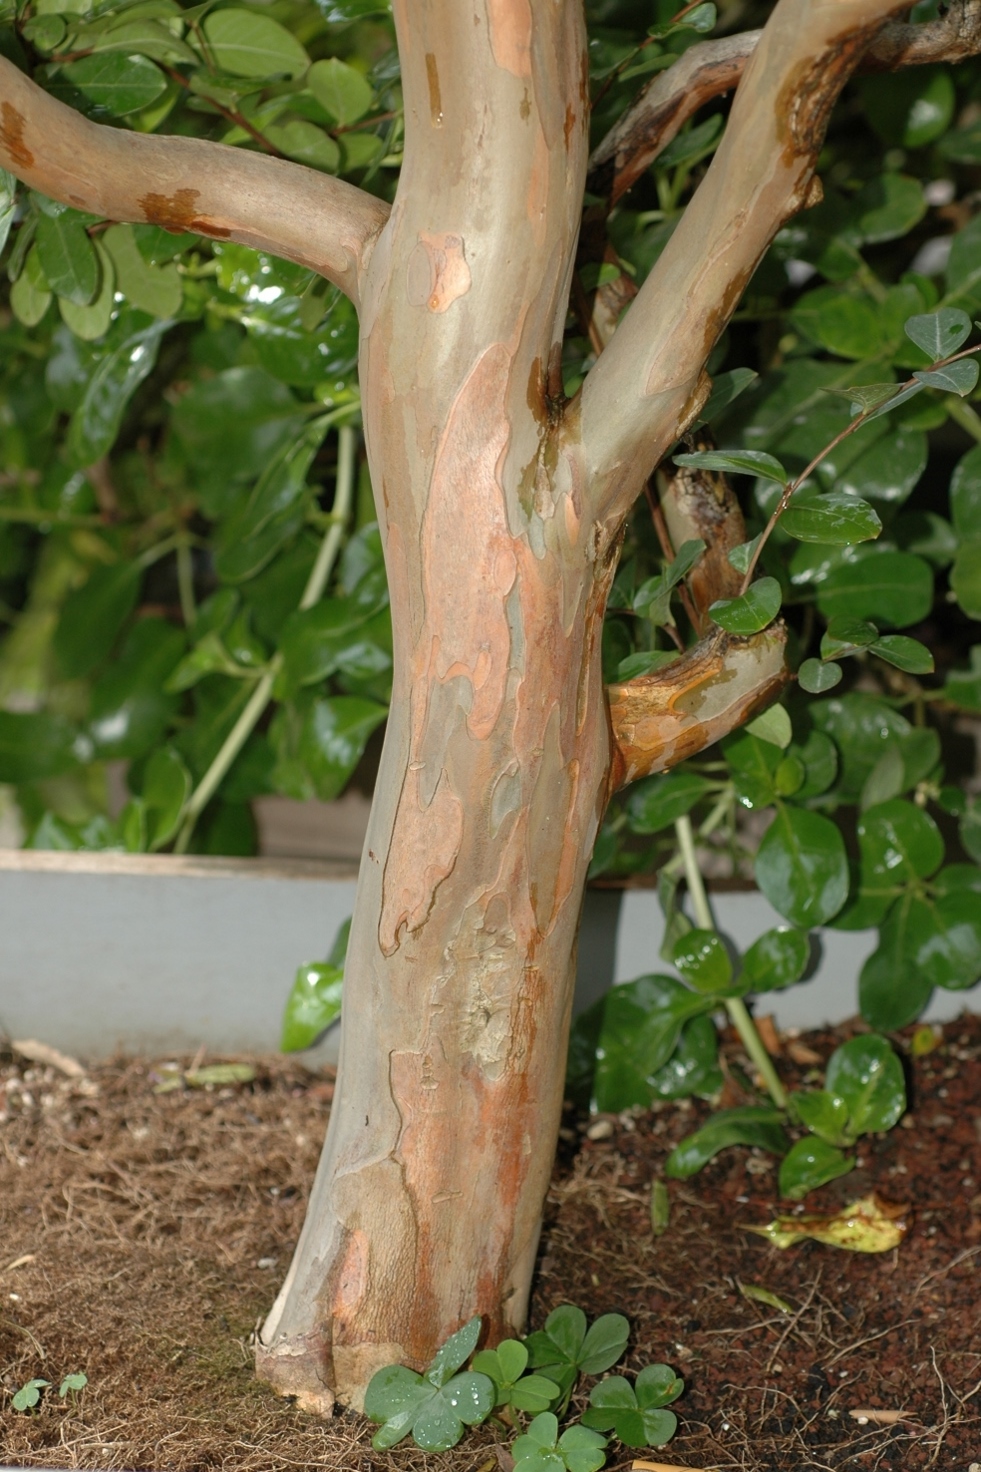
{"type": "Point", "coordinates": [963, 687]}
{"type": "Point", "coordinates": [634, 1414]}
{"type": "Point", "coordinates": [247, 44]}
{"type": "Point", "coordinates": [30, 296]}
{"type": "Point", "coordinates": [887, 470]}
{"type": "Point", "coordinates": [844, 635]}
{"type": "Point", "coordinates": [747, 1125]}
{"type": "Point", "coordinates": [939, 333]}
{"type": "Point", "coordinates": [892, 989]}
{"type": "Point", "coordinates": [342, 91]}
{"type": "Point", "coordinates": [122, 84]}
{"type": "Point", "coordinates": [605, 1341]}
{"type": "Point", "coordinates": [541, 1449]}
{"type": "Point", "coordinates": [36, 746]}
{"type": "Point", "coordinates": [750, 612]}
{"type": "Point", "coordinates": [565, 1347]}
{"type": "Point", "coordinates": [657, 802]}
{"type": "Point", "coordinates": [892, 587]}
{"type": "Point", "coordinates": [129, 711]}
{"type": "Point", "coordinates": [166, 787]}
{"type": "Point", "coordinates": [67, 256]}
{"type": "Point", "coordinates": [811, 1163]}
{"type": "Point", "coordinates": [97, 420]}
{"type": "Point", "coordinates": [888, 207]}
{"type": "Point", "coordinates": [703, 961]}
{"type": "Point", "coordinates": [75, 1382]}
{"type": "Point", "coordinates": [816, 676]}
{"type": "Point", "coordinates": [906, 654]}
{"type": "Point", "coordinates": [956, 378]}
{"type": "Point", "coordinates": [801, 866]}
{"type": "Point", "coordinates": [303, 141]}
{"type": "Point", "coordinates": [153, 289]}
{"type": "Point", "coordinates": [313, 1006]}
{"type": "Point", "coordinates": [641, 1025]}
{"type": "Point", "coordinates": [772, 725]}
{"type": "Point", "coordinates": [319, 742]}
{"type": "Point", "coordinates": [275, 510]}
{"type": "Point", "coordinates": [315, 640]}
{"type": "Point", "coordinates": [867, 1075]}
{"type": "Point", "coordinates": [963, 145]}
{"type": "Point", "coordinates": [8, 204]}
{"type": "Point", "coordinates": [836, 519]}
{"type": "Point", "coordinates": [862, 728]}
{"type": "Point", "coordinates": [434, 1410]}
{"type": "Point", "coordinates": [93, 615]}
{"type": "Point", "coordinates": [776, 959]}
{"type": "Point", "coordinates": [737, 462]}
{"type": "Point", "coordinates": [454, 1352]}
{"type": "Point", "coordinates": [29, 1395]}
{"type": "Point", "coordinates": [725, 388]}
{"type": "Point", "coordinates": [92, 322]}
{"type": "Point", "coordinates": [899, 844]}
{"type": "Point", "coordinates": [964, 267]}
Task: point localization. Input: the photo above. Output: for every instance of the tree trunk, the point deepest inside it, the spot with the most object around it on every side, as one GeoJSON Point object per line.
{"type": "Point", "coordinates": [458, 984]}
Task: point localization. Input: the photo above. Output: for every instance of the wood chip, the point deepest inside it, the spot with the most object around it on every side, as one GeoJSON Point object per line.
{"type": "Point", "coordinates": [662, 1467]}
{"type": "Point", "coordinates": [19, 1262]}
{"type": "Point", "coordinates": [879, 1418]}
{"type": "Point", "coordinates": [802, 1054]}
{"type": "Point", "coordinates": [36, 1052]}
{"type": "Point", "coordinates": [767, 1029]}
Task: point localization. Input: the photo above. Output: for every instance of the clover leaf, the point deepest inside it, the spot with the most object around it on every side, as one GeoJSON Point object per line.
{"type": "Point", "coordinates": [565, 1348]}
{"type": "Point", "coordinates": [634, 1412]}
{"type": "Point", "coordinates": [506, 1366]}
{"type": "Point", "coordinates": [434, 1407]}
{"type": "Point", "coordinates": [541, 1449]}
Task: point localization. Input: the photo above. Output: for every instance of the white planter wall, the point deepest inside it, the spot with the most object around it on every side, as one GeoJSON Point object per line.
{"type": "Point", "coordinates": [160, 954]}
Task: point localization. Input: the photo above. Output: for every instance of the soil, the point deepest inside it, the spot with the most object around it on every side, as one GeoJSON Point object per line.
{"type": "Point", "coordinates": [143, 1235]}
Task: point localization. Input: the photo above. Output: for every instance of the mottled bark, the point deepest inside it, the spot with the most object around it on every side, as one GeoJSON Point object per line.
{"type": "Point", "coordinates": [501, 508]}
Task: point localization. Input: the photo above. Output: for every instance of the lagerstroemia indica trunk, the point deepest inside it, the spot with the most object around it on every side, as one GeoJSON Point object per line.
{"type": "Point", "coordinates": [458, 983]}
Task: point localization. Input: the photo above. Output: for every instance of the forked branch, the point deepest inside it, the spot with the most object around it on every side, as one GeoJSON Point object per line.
{"type": "Point", "coordinates": [186, 184]}
{"type": "Point", "coordinates": [713, 68]}
{"type": "Point", "coordinates": [650, 383]}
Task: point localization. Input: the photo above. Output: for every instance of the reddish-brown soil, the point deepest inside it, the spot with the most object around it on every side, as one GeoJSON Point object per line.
{"type": "Point", "coordinates": [143, 1235]}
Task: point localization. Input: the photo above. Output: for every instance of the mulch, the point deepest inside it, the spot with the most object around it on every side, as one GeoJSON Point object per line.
{"type": "Point", "coordinates": [143, 1236]}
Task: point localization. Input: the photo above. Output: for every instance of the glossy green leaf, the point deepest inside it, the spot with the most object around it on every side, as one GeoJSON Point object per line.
{"type": "Point", "coordinates": [315, 640]}
{"type": "Point", "coordinates": [92, 322]}
{"type": "Point", "coordinates": [657, 802]}
{"type": "Point", "coordinates": [35, 746]}
{"type": "Point", "coordinates": [750, 612]}
{"type": "Point", "coordinates": [892, 989]}
{"type": "Point", "coordinates": [912, 108]}
{"type": "Point", "coordinates": [542, 1449]}
{"type": "Point", "coordinates": [641, 1025]}
{"type": "Point", "coordinates": [248, 44]}
{"type": "Point", "coordinates": [67, 257]}
{"type": "Point", "coordinates": [153, 289]}
{"type": "Point", "coordinates": [772, 725]}
{"type": "Point", "coordinates": [811, 1163]}
{"type": "Point", "coordinates": [801, 866]}
{"type": "Point", "coordinates": [93, 615]}
{"type": "Point", "coordinates": [867, 1075]}
{"type": "Point", "coordinates": [836, 519]}
{"type": "Point", "coordinates": [341, 90]}
{"type": "Point", "coordinates": [887, 208]}
{"type": "Point", "coordinates": [816, 676]}
{"type": "Point", "coordinates": [776, 959]}
{"type": "Point", "coordinates": [97, 420]}
{"type": "Point", "coordinates": [506, 1366]}
{"type": "Point", "coordinates": [844, 635]}
{"type": "Point", "coordinates": [747, 1125]}
{"type": "Point", "coordinates": [887, 470]}
{"type": "Point", "coordinates": [565, 1344]}
{"type": "Point", "coordinates": [703, 961]}
{"type": "Point", "coordinates": [891, 587]}
{"type": "Point", "coordinates": [862, 728]}
{"type": "Point", "coordinates": [939, 333]}
{"type": "Point", "coordinates": [737, 462]}
{"type": "Point", "coordinates": [906, 654]}
{"type": "Point", "coordinates": [303, 141]}
{"type": "Point", "coordinates": [8, 204]}
{"type": "Point", "coordinates": [313, 1004]}
{"type": "Point", "coordinates": [120, 83]}
{"type": "Point", "coordinates": [319, 742]}
{"type": "Point", "coordinates": [964, 268]}
{"type": "Point", "coordinates": [726, 387]}
{"type": "Point", "coordinates": [693, 1067]}
{"type": "Point", "coordinates": [899, 843]}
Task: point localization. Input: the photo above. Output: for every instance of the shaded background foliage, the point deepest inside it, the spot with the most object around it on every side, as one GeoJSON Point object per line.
{"type": "Point", "coordinates": [177, 462]}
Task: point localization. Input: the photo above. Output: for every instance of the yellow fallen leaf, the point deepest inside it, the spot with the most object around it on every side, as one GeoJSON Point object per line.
{"type": "Point", "coordinates": [756, 1294]}
{"type": "Point", "coordinates": [867, 1225]}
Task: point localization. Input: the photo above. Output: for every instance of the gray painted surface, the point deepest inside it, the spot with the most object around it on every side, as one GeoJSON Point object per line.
{"type": "Point", "coordinates": [161, 954]}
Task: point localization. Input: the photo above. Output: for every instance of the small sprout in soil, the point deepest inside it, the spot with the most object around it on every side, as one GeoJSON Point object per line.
{"type": "Point", "coordinates": [28, 1395]}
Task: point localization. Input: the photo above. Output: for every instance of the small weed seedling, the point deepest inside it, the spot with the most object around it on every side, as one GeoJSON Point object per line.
{"type": "Point", "coordinates": [29, 1395]}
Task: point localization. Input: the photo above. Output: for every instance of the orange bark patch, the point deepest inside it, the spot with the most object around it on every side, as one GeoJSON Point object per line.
{"type": "Point", "coordinates": [429, 839]}
{"type": "Point", "coordinates": [437, 273]}
{"type": "Point", "coordinates": [178, 212]}
{"type": "Point", "coordinates": [12, 136]}
{"type": "Point", "coordinates": [510, 33]}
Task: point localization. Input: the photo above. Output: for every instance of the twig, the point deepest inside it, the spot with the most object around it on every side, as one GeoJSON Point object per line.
{"type": "Point", "coordinates": [939, 1272]}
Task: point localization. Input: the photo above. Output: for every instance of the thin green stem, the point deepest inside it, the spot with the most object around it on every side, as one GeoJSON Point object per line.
{"type": "Point", "coordinates": [185, 582]}
{"type": "Point", "coordinates": [963, 414]}
{"type": "Point", "coordinates": [259, 699]}
{"type": "Point", "coordinates": [735, 1006]}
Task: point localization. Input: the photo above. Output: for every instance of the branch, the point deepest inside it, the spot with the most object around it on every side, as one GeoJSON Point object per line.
{"type": "Point", "coordinates": [662, 719]}
{"type": "Point", "coordinates": [699, 504]}
{"type": "Point", "coordinates": [650, 383]}
{"type": "Point", "coordinates": [187, 184]}
{"type": "Point", "coordinates": [714, 67]}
